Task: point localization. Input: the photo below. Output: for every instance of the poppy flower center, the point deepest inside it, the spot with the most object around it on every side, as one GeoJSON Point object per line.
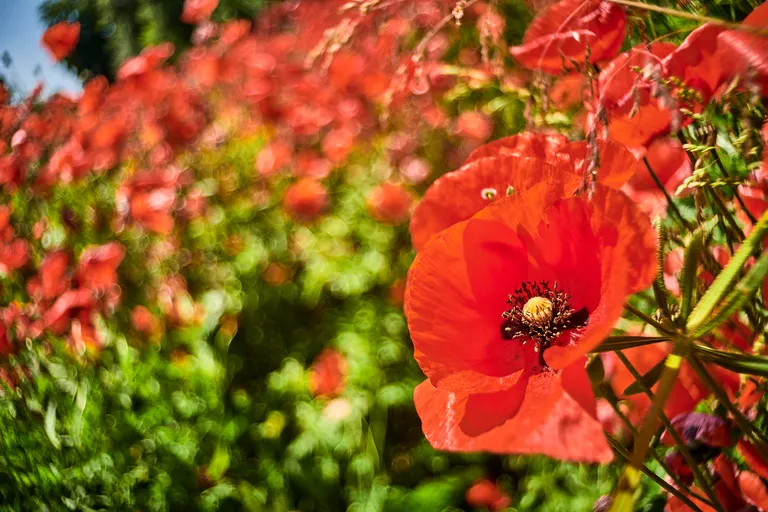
{"type": "Point", "coordinates": [540, 313]}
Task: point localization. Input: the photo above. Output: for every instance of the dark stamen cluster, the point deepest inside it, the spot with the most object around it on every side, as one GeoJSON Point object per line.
{"type": "Point", "coordinates": [545, 331]}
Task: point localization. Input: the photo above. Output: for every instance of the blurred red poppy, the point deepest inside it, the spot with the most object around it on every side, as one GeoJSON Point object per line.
{"type": "Point", "coordinates": [390, 203]}
{"type": "Point", "coordinates": [60, 39]}
{"type": "Point", "coordinates": [753, 457]}
{"type": "Point", "coordinates": [328, 375]}
{"type": "Point", "coordinates": [52, 279]}
{"type": "Point", "coordinates": [502, 308]}
{"type": "Point", "coordinates": [305, 200]}
{"type": "Point", "coordinates": [634, 110]}
{"type": "Point", "coordinates": [485, 493]}
{"type": "Point", "coordinates": [697, 62]}
{"type": "Point", "coordinates": [197, 11]}
{"type": "Point", "coordinates": [274, 157]}
{"type": "Point", "coordinates": [149, 197]}
{"type": "Point", "coordinates": [753, 489]}
{"type": "Point", "coordinates": [746, 53]}
{"type": "Point", "coordinates": [97, 268]}
{"type": "Point", "coordinates": [564, 33]}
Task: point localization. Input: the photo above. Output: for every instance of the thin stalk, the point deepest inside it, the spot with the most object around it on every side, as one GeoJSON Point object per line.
{"type": "Point", "coordinates": [736, 230]}
{"type": "Point", "coordinates": [741, 420]}
{"type": "Point", "coordinates": [736, 194]}
{"type": "Point", "coordinates": [699, 476]}
{"type": "Point", "coordinates": [653, 476]}
{"type": "Point", "coordinates": [691, 16]}
{"type": "Point", "coordinates": [612, 343]}
{"type": "Point", "coordinates": [670, 203]}
{"type": "Point", "coordinates": [650, 321]}
{"type": "Point", "coordinates": [632, 430]}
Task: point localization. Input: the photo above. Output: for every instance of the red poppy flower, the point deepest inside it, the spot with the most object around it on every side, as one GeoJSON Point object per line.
{"type": "Point", "coordinates": [568, 91]}
{"type": "Point", "coordinates": [750, 395]}
{"type": "Point", "coordinates": [328, 375]}
{"type": "Point", "coordinates": [272, 158]}
{"type": "Point", "coordinates": [305, 200]}
{"type": "Point", "coordinates": [745, 52]}
{"type": "Point", "coordinates": [143, 320]}
{"type": "Point", "coordinates": [390, 203]}
{"type": "Point", "coordinates": [338, 144]}
{"type": "Point", "coordinates": [61, 39]}
{"type": "Point", "coordinates": [474, 126]}
{"type": "Point", "coordinates": [310, 165]}
{"type": "Point", "coordinates": [697, 62]}
{"type": "Point", "coordinates": [753, 457]}
{"type": "Point", "coordinates": [13, 255]}
{"type": "Point", "coordinates": [502, 308]}
{"type": "Point", "coordinates": [505, 166]}
{"type": "Point", "coordinates": [197, 11]}
{"type": "Point", "coordinates": [150, 59]}
{"type": "Point", "coordinates": [563, 33]}
{"type": "Point", "coordinates": [149, 197]}
{"type": "Point", "coordinates": [543, 146]}
{"type": "Point", "coordinates": [635, 113]}
{"type": "Point", "coordinates": [753, 489]}
{"type": "Point", "coordinates": [485, 493]}
{"type": "Point", "coordinates": [52, 280]}
{"type": "Point", "coordinates": [66, 307]}
{"type": "Point", "coordinates": [97, 269]}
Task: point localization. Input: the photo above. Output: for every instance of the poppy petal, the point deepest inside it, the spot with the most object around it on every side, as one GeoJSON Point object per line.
{"type": "Point", "coordinates": [616, 163]}
{"type": "Point", "coordinates": [543, 146]}
{"type": "Point", "coordinates": [742, 50]}
{"type": "Point", "coordinates": [627, 246]}
{"type": "Point", "coordinates": [562, 33]}
{"type": "Point", "coordinates": [549, 422]}
{"type": "Point", "coordinates": [753, 458]}
{"type": "Point", "coordinates": [458, 195]}
{"type": "Point", "coordinates": [451, 330]}
{"type": "Point", "coordinates": [753, 489]}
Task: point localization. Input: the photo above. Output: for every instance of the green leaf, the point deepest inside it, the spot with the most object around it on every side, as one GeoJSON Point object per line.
{"type": "Point", "coordinates": [650, 378]}
{"type": "Point", "coordinates": [669, 374]}
{"type": "Point", "coordinates": [724, 280]}
{"type": "Point", "coordinates": [738, 296]}
{"type": "Point", "coordinates": [219, 463]}
{"type": "Point", "coordinates": [626, 490]}
{"type": "Point", "coordinates": [736, 362]}
{"type": "Point", "coordinates": [613, 343]}
{"type": "Point", "coordinates": [50, 425]}
{"type": "Point", "coordinates": [688, 273]}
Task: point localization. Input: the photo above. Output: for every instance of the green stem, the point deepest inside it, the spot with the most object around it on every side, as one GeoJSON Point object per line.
{"type": "Point", "coordinates": [650, 321]}
{"type": "Point", "coordinates": [632, 430]}
{"type": "Point", "coordinates": [736, 194]}
{"type": "Point", "coordinates": [612, 343]}
{"type": "Point", "coordinates": [653, 476]}
{"type": "Point", "coordinates": [670, 202]}
{"type": "Point", "coordinates": [691, 16]}
{"type": "Point", "coordinates": [699, 476]}
{"type": "Point", "coordinates": [741, 420]}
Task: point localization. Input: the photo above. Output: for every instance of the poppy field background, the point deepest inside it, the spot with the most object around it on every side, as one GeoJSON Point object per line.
{"type": "Point", "coordinates": [205, 301]}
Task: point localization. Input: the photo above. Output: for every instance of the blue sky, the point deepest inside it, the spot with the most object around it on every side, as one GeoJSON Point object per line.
{"type": "Point", "coordinates": [20, 33]}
